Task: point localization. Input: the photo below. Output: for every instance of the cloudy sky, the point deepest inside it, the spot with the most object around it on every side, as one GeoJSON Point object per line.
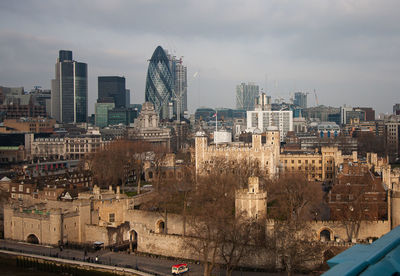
{"type": "Point", "coordinates": [347, 50]}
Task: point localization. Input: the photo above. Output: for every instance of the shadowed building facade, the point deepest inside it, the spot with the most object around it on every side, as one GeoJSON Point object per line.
{"type": "Point", "coordinates": [113, 87]}
{"type": "Point", "coordinates": [69, 90]}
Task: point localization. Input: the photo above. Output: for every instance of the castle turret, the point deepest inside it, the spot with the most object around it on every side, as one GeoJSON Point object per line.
{"type": "Point", "coordinates": [251, 202]}
{"type": "Point", "coordinates": [56, 227]}
{"type": "Point", "coordinates": [256, 139]}
{"type": "Point", "coordinates": [200, 148]}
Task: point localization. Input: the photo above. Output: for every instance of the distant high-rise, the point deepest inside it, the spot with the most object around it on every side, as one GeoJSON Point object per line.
{"type": "Point", "coordinates": [128, 98]}
{"type": "Point", "coordinates": [101, 111]}
{"type": "Point", "coordinates": [396, 109]}
{"type": "Point", "coordinates": [159, 83]}
{"type": "Point", "coordinates": [263, 102]}
{"type": "Point", "coordinates": [69, 90]}
{"type": "Point", "coordinates": [246, 95]}
{"type": "Point", "coordinates": [180, 87]}
{"type": "Point", "coordinates": [300, 99]}
{"type": "Point", "coordinates": [112, 87]}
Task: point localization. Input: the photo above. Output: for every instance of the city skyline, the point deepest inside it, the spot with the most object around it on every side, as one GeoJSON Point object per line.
{"type": "Point", "coordinates": [347, 50]}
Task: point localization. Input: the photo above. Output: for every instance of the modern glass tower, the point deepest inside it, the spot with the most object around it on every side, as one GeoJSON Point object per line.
{"type": "Point", "coordinates": [246, 95]}
{"type": "Point", "coordinates": [69, 90]}
{"type": "Point", "coordinates": [180, 86]}
{"type": "Point", "coordinates": [113, 87]}
{"type": "Point", "coordinates": [159, 83]}
{"type": "Point", "coordinates": [300, 99]}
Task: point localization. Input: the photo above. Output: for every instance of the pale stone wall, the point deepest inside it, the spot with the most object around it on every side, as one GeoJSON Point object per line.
{"type": "Point", "coordinates": [108, 207]}
{"type": "Point", "coordinates": [267, 154]}
{"type": "Point", "coordinates": [66, 222]}
{"type": "Point", "coordinates": [337, 229]}
{"type": "Point", "coordinates": [18, 226]}
{"type": "Point", "coordinates": [151, 220]}
{"type": "Point", "coordinates": [71, 231]}
{"type": "Point", "coordinates": [251, 202]}
{"type": "Point", "coordinates": [96, 233]}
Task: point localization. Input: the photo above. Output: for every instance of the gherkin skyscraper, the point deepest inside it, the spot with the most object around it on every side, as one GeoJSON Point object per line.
{"type": "Point", "coordinates": [159, 82]}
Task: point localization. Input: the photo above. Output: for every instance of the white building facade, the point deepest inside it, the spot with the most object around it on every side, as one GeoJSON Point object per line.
{"type": "Point", "coordinates": [262, 119]}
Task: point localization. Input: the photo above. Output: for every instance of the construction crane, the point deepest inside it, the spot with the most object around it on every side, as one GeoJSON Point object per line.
{"type": "Point", "coordinates": [316, 98]}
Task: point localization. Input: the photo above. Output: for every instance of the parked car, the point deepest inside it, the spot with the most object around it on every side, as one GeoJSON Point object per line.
{"type": "Point", "coordinates": [179, 269]}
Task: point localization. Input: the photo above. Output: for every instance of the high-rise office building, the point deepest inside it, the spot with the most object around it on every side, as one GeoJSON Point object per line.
{"type": "Point", "coordinates": [159, 83]}
{"type": "Point", "coordinates": [69, 90]}
{"type": "Point", "coordinates": [101, 111]}
{"type": "Point", "coordinates": [128, 98]}
{"type": "Point", "coordinates": [396, 109]}
{"type": "Point", "coordinates": [263, 102]}
{"type": "Point", "coordinates": [179, 97]}
{"type": "Point", "coordinates": [262, 120]}
{"type": "Point", "coordinates": [246, 95]}
{"type": "Point", "coordinates": [112, 87]}
{"type": "Point", "coordinates": [300, 99]}
{"type": "Point", "coordinates": [166, 84]}
{"type": "Point", "coordinates": [180, 87]}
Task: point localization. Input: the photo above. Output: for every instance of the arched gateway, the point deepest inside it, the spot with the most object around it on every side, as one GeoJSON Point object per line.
{"type": "Point", "coordinates": [32, 239]}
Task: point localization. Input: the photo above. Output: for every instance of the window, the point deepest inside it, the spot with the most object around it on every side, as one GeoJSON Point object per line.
{"type": "Point", "coordinates": [112, 217]}
{"type": "Point", "coordinates": [21, 188]}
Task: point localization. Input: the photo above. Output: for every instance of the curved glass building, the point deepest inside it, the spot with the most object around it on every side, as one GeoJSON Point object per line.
{"type": "Point", "coordinates": [159, 83]}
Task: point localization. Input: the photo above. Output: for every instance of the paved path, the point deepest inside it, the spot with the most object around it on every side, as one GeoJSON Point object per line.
{"type": "Point", "coordinates": [67, 261]}
{"type": "Point", "coordinates": [151, 265]}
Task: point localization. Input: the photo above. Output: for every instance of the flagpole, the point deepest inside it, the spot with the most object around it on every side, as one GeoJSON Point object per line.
{"type": "Point", "coordinates": [216, 120]}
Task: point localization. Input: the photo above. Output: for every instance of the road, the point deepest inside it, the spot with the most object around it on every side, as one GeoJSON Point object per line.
{"type": "Point", "coordinates": [152, 265]}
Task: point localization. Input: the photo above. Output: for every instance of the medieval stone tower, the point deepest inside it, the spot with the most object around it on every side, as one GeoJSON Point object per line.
{"type": "Point", "coordinates": [251, 202]}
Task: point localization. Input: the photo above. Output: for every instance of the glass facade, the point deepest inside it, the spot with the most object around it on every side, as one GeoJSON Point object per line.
{"type": "Point", "coordinates": [246, 95]}
{"type": "Point", "coordinates": [159, 82]}
{"type": "Point", "coordinates": [69, 91]}
{"type": "Point", "coordinates": [101, 111]}
{"type": "Point", "coordinates": [81, 92]}
{"type": "Point", "coordinates": [113, 87]}
{"type": "Point", "coordinates": [121, 116]}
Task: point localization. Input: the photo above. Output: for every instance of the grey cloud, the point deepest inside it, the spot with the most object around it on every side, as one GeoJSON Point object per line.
{"type": "Point", "coordinates": [345, 48]}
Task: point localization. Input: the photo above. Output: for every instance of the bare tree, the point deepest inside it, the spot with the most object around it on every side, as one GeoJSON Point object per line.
{"type": "Point", "coordinates": [357, 195]}
{"type": "Point", "coordinates": [211, 209]}
{"type": "Point", "coordinates": [112, 165]}
{"type": "Point", "coordinates": [292, 198]}
{"type": "Point", "coordinates": [239, 236]}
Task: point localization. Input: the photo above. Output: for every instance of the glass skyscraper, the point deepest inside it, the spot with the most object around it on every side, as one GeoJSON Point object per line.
{"type": "Point", "coordinates": [101, 111]}
{"type": "Point", "coordinates": [159, 83]}
{"type": "Point", "coordinates": [300, 99]}
{"type": "Point", "coordinates": [179, 72]}
{"type": "Point", "coordinates": [246, 95]}
{"type": "Point", "coordinates": [113, 87]}
{"type": "Point", "coordinates": [69, 90]}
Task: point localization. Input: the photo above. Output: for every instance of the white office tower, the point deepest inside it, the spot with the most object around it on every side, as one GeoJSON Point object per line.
{"type": "Point", "coordinates": [262, 119]}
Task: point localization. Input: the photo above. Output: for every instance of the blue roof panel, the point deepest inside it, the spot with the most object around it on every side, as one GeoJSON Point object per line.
{"type": "Point", "coordinates": [382, 257]}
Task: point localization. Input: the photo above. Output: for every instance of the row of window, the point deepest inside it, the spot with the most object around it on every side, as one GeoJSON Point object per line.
{"type": "Point", "coordinates": [306, 161]}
